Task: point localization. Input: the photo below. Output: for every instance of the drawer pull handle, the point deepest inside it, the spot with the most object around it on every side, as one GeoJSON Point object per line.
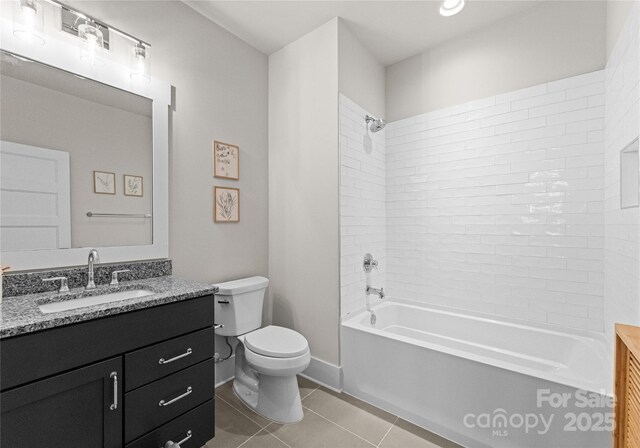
{"type": "Point", "coordinates": [114, 377]}
{"type": "Point", "coordinates": [223, 302]}
{"type": "Point", "coordinates": [179, 397]}
{"type": "Point", "coordinates": [175, 358]}
{"type": "Point", "coordinates": [171, 443]}
{"type": "Point", "coordinates": [186, 438]}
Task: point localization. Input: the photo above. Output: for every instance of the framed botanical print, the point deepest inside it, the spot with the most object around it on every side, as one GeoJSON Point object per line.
{"type": "Point", "coordinates": [104, 182]}
{"type": "Point", "coordinates": [133, 185]}
{"type": "Point", "coordinates": [226, 160]}
{"type": "Point", "coordinates": [226, 204]}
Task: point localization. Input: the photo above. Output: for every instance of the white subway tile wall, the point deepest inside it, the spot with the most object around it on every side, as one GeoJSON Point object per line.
{"type": "Point", "coordinates": [362, 205]}
{"type": "Point", "coordinates": [497, 205]}
{"type": "Point", "coordinates": [622, 122]}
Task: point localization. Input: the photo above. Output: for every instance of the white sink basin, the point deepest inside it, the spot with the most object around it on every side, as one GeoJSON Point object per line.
{"type": "Point", "coordinates": [81, 302]}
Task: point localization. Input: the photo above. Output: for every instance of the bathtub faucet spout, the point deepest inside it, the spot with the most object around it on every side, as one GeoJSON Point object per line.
{"type": "Point", "coordinates": [379, 292]}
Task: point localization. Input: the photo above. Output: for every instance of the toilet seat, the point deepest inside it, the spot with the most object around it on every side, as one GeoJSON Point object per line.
{"type": "Point", "coordinates": [276, 342]}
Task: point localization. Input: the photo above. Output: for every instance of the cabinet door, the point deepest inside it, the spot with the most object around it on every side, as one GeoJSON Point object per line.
{"type": "Point", "coordinates": [81, 408]}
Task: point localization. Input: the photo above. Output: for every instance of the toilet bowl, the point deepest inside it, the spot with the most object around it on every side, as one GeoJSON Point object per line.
{"type": "Point", "coordinates": [266, 372]}
{"type": "Point", "coordinates": [267, 359]}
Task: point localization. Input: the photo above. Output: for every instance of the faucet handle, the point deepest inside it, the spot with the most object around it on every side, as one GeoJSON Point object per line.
{"type": "Point", "coordinates": [369, 263]}
{"type": "Point", "coordinates": [114, 276]}
{"type": "Point", "coordinates": [64, 286]}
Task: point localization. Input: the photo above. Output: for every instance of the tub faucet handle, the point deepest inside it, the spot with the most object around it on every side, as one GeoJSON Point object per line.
{"type": "Point", "coordinates": [369, 263]}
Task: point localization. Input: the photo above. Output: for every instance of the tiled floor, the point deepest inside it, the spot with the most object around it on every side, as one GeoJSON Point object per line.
{"type": "Point", "coordinates": [331, 420]}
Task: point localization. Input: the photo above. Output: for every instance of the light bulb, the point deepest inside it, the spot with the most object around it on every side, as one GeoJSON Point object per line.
{"type": "Point", "coordinates": [28, 21]}
{"type": "Point", "coordinates": [91, 42]}
{"type": "Point", "coordinates": [451, 7]}
{"type": "Point", "coordinates": [140, 64]}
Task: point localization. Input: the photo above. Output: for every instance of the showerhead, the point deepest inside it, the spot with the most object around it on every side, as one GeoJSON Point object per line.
{"type": "Point", "coordinates": [377, 124]}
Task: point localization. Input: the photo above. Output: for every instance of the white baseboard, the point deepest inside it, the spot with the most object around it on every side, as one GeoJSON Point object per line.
{"type": "Point", "coordinates": [225, 371]}
{"type": "Point", "coordinates": [319, 371]}
{"type": "Point", "coordinates": [324, 373]}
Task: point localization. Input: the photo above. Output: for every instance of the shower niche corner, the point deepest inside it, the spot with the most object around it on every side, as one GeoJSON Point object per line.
{"type": "Point", "coordinates": [630, 176]}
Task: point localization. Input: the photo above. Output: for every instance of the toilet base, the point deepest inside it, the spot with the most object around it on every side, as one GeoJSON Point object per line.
{"type": "Point", "coordinates": [275, 398]}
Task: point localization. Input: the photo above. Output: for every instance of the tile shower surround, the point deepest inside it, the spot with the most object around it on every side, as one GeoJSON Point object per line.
{"type": "Point", "coordinates": [496, 205]}
{"type": "Point", "coordinates": [622, 123]}
{"type": "Point", "coordinates": [362, 205]}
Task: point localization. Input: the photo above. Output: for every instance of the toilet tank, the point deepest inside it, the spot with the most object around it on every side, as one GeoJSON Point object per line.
{"type": "Point", "coordinates": [238, 305]}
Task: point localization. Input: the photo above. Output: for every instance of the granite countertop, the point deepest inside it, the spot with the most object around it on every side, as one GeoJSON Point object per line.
{"type": "Point", "coordinates": [21, 315]}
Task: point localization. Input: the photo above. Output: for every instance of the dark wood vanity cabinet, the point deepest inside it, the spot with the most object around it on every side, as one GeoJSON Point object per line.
{"type": "Point", "coordinates": [134, 380]}
{"type": "Point", "coordinates": [80, 408]}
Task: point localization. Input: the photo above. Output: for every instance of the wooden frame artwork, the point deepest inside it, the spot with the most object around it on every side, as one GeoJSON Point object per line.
{"type": "Point", "coordinates": [226, 160]}
{"type": "Point", "coordinates": [226, 204]}
{"type": "Point", "coordinates": [104, 182]}
{"type": "Point", "coordinates": [133, 185]}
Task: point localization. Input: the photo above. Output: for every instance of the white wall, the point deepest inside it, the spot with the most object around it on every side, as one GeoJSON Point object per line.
{"type": "Point", "coordinates": [552, 41]}
{"type": "Point", "coordinates": [362, 206]}
{"type": "Point", "coordinates": [220, 92]}
{"type": "Point", "coordinates": [303, 189]}
{"type": "Point", "coordinates": [360, 76]}
{"type": "Point", "coordinates": [622, 124]}
{"type": "Point", "coordinates": [497, 205]}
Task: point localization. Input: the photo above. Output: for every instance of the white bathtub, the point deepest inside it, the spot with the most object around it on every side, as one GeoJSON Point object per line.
{"type": "Point", "coordinates": [470, 378]}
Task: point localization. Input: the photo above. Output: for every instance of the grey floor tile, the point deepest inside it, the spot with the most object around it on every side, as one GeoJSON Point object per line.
{"type": "Point", "coordinates": [306, 386]}
{"type": "Point", "coordinates": [264, 439]}
{"type": "Point", "coordinates": [225, 392]}
{"type": "Point", "coordinates": [361, 418]}
{"type": "Point", "coordinates": [232, 427]}
{"type": "Point", "coordinates": [316, 432]}
{"type": "Point", "coordinates": [406, 435]}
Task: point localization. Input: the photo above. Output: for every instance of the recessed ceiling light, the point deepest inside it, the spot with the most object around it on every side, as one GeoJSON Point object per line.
{"type": "Point", "coordinates": [451, 7]}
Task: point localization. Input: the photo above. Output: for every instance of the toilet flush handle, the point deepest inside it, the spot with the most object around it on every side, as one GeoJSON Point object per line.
{"type": "Point", "coordinates": [217, 326]}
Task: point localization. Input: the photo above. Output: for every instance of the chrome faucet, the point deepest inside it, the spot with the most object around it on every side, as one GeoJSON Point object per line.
{"type": "Point", "coordinates": [379, 292]}
{"type": "Point", "coordinates": [93, 258]}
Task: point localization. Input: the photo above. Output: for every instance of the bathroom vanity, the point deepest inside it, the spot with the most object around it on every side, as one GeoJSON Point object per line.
{"type": "Point", "coordinates": [129, 365]}
{"type": "Point", "coordinates": [137, 373]}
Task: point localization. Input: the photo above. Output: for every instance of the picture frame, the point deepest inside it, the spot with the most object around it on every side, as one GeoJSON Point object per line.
{"type": "Point", "coordinates": [133, 185]}
{"type": "Point", "coordinates": [104, 182]}
{"type": "Point", "coordinates": [226, 204]}
{"type": "Point", "coordinates": [226, 160]}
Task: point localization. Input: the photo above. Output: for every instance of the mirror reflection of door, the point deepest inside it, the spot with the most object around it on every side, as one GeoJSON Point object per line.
{"type": "Point", "coordinates": [36, 198]}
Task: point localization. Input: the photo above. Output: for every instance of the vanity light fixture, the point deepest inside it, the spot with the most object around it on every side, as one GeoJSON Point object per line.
{"type": "Point", "coordinates": [140, 63]}
{"type": "Point", "coordinates": [95, 36]}
{"type": "Point", "coordinates": [451, 7]}
{"type": "Point", "coordinates": [91, 42]}
{"type": "Point", "coordinates": [28, 21]}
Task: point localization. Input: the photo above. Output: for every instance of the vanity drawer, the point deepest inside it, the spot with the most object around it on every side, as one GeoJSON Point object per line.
{"type": "Point", "coordinates": [150, 406]}
{"type": "Point", "coordinates": [149, 364]}
{"type": "Point", "coordinates": [198, 424]}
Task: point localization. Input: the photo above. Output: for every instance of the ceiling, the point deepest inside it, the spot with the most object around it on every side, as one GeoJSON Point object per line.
{"type": "Point", "coordinates": [391, 30]}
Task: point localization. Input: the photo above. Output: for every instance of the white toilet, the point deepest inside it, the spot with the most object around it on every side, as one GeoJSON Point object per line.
{"type": "Point", "coordinates": [267, 359]}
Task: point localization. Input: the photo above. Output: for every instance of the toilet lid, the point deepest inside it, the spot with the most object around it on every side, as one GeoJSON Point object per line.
{"type": "Point", "coordinates": [277, 342]}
